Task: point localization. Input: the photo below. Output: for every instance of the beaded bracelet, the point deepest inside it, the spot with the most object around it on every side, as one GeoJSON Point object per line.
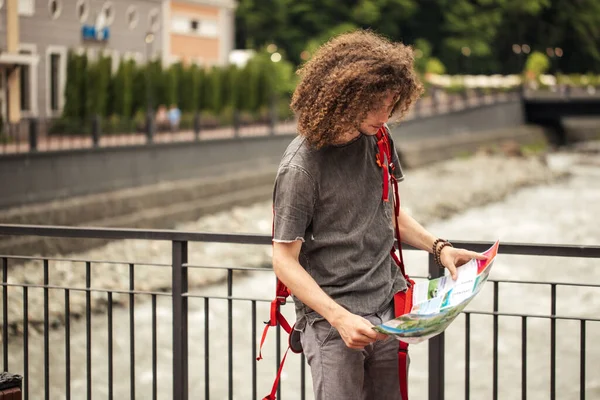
{"type": "Point", "coordinates": [434, 247]}
{"type": "Point", "coordinates": [438, 253]}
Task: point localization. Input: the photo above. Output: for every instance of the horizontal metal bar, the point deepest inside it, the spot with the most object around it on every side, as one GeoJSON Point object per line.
{"type": "Point", "coordinates": [192, 295]}
{"type": "Point", "coordinates": [199, 296]}
{"type": "Point", "coordinates": [526, 249]}
{"type": "Point", "coordinates": [268, 269]}
{"type": "Point", "coordinates": [83, 289]}
{"type": "Point", "coordinates": [142, 234]}
{"type": "Point", "coordinates": [578, 251]}
{"type": "Point", "coordinates": [145, 264]}
{"type": "Point", "coordinates": [545, 283]}
{"type": "Point", "coordinates": [136, 263]}
{"type": "Point", "coordinates": [260, 269]}
{"type": "Point", "coordinates": [504, 314]}
{"type": "Point", "coordinates": [80, 260]}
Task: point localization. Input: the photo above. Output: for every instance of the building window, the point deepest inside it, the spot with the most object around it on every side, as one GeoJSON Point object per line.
{"type": "Point", "coordinates": [25, 88]}
{"type": "Point", "coordinates": [25, 85]}
{"type": "Point", "coordinates": [132, 17]}
{"type": "Point", "coordinates": [54, 81]}
{"type": "Point", "coordinates": [83, 10]}
{"type": "Point", "coordinates": [54, 8]}
{"type": "Point", "coordinates": [108, 12]}
{"type": "Point", "coordinates": [208, 28]}
{"type": "Point", "coordinates": [199, 27]}
{"type": "Point", "coordinates": [154, 20]}
{"type": "Point", "coordinates": [26, 7]}
{"type": "Point", "coordinates": [180, 25]}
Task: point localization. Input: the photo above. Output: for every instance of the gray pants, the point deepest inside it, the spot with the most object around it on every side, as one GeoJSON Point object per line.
{"type": "Point", "coordinates": [342, 373]}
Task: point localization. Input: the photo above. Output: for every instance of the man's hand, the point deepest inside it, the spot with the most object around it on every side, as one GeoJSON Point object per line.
{"type": "Point", "coordinates": [452, 258]}
{"type": "Point", "coordinates": [356, 331]}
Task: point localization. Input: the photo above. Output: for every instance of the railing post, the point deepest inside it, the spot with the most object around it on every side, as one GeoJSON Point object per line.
{"type": "Point", "coordinates": [479, 96]}
{"type": "Point", "coordinates": [96, 130]}
{"type": "Point", "coordinates": [272, 114]}
{"type": "Point", "coordinates": [149, 126]}
{"type": "Point", "coordinates": [197, 125]}
{"type": "Point", "coordinates": [464, 97]}
{"type": "Point", "coordinates": [417, 108]}
{"type": "Point", "coordinates": [33, 134]}
{"type": "Point", "coordinates": [236, 122]}
{"type": "Point", "coordinates": [180, 320]}
{"type": "Point", "coordinates": [436, 349]}
{"type": "Point", "coordinates": [434, 100]}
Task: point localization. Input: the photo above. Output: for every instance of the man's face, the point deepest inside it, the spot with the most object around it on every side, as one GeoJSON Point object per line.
{"type": "Point", "coordinates": [378, 117]}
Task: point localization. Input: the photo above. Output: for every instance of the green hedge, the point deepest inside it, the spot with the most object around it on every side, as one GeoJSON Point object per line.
{"type": "Point", "coordinates": [92, 88]}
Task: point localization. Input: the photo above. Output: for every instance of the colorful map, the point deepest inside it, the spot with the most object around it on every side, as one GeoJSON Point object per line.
{"type": "Point", "coordinates": [438, 301]}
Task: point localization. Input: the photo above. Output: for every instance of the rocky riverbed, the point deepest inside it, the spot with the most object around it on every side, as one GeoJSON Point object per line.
{"type": "Point", "coordinates": [430, 194]}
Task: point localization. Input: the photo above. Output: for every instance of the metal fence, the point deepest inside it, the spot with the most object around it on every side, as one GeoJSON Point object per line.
{"type": "Point", "coordinates": [110, 355]}
{"type": "Point", "coordinates": [36, 134]}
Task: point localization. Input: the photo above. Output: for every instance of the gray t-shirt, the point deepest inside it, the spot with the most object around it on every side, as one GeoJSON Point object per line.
{"type": "Point", "coordinates": [331, 199]}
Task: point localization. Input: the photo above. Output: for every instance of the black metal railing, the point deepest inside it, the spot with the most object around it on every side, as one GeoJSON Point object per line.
{"type": "Point", "coordinates": [120, 359]}
{"type": "Point", "coordinates": [59, 134]}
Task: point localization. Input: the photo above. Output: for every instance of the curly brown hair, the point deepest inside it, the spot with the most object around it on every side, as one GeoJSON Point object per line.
{"type": "Point", "coordinates": [347, 78]}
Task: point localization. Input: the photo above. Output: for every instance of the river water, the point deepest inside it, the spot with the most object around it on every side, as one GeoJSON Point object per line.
{"type": "Point", "coordinates": [564, 212]}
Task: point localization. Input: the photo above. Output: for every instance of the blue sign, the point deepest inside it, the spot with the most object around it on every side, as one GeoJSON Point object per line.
{"type": "Point", "coordinates": [90, 32]}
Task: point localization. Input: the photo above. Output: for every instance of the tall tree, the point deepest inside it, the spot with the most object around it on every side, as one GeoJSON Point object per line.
{"type": "Point", "coordinates": [484, 30]}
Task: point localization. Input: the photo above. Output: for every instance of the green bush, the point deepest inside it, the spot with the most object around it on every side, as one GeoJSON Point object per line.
{"type": "Point", "coordinates": [92, 89]}
{"type": "Point", "coordinates": [187, 121]}
{"type": "Point", "coordinates": [69, 126]}
{"type": "Point", "coordinates": [139, 120]}
{"type": "Point", "coordinates": [284, 111]}
{"type": "Point", "coordinates": [208, 119]}
{"type": "Point", "coordinates": [116, 124]}
{"type": "Point", "coordinates": [435, 66]}
{"type": "Point", "coordinates": [122, 90]}
{"type": "Point", "coordinates": [226, 116]}
{"type": "Point", "coordinates": [537, 64]}
{"type": "Point", "coordinates": [247, 118]}
{"type": "Point", "coordinates": [456, 89]}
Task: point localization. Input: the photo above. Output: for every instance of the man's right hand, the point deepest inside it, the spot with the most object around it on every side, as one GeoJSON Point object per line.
{"type": "Point", "coordinates": [356, 331]}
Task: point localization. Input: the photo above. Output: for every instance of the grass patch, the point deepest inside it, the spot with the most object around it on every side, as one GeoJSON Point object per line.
{"type": "Point", "coordinates": [464, 155]}
{"type": "Point", "coordinates": [534, 148]}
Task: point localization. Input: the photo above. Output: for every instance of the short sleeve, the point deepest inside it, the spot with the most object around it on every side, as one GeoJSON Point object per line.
{"type": "Point", "coordinates": [293, 204]}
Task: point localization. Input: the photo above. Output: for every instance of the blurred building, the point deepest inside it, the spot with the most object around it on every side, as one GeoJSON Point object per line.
{"type": "Point", "coordinates": [201, 31]}
{"type": "Point", "coordinates": [36, 35]}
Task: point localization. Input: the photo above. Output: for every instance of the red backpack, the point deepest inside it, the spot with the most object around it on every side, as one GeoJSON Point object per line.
{"type": "Point", "coordinates": [402, 300]}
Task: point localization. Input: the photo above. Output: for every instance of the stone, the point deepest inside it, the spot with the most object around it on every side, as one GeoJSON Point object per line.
{"type": "Point", "coordinates": [9, 381]}
{"type": "Point", "coordinates": [510, 148]}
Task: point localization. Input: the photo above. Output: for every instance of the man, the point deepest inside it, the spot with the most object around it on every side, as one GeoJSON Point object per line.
{"type": "Point", "coordinates": [174, 117]}
{"type": "Point", "coordinates": [332, 230]}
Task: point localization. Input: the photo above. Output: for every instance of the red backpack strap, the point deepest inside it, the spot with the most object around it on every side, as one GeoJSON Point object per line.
{"type": "Point", "coordinates": [275, 317]}
{"type": "Point", "coordinates": [385, 161]}
{"type": "Point", "coordinates": [271, 396]}
{"type": "Point", "coordinates": [403, 369]}
{"type": "Point", "coordinates": [282, 292]}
